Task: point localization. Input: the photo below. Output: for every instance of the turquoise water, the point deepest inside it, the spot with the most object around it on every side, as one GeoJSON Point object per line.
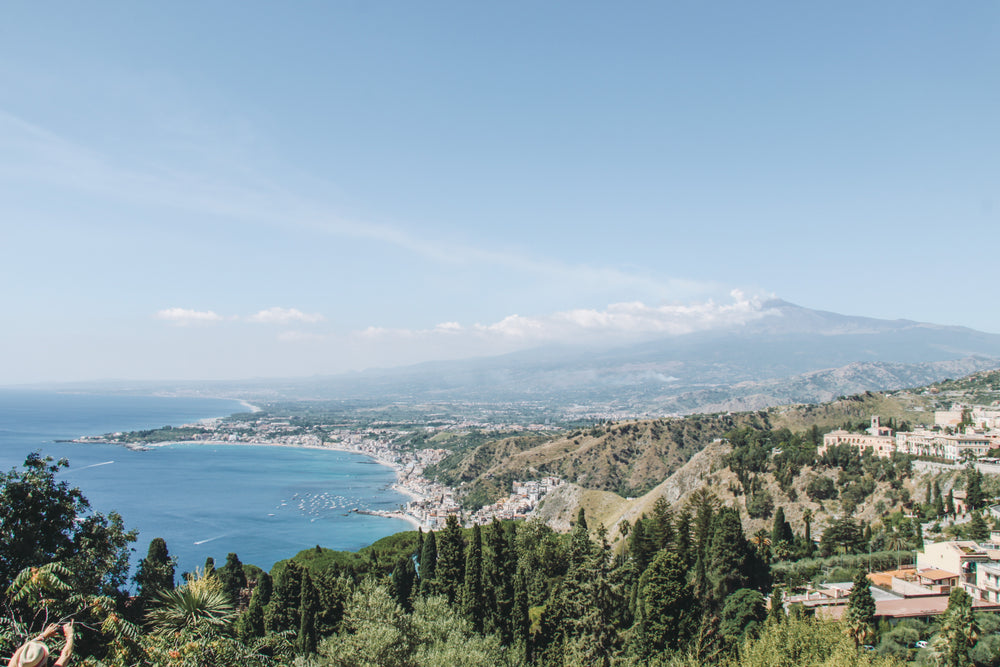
{"type": "Point", "coordinates": [264, 503]}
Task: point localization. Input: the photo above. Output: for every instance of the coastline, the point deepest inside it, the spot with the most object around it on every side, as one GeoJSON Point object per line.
{"type": "Point", "coordinates": [399, 485]}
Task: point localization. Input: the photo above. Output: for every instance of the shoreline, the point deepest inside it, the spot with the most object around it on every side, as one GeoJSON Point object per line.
{"type": "Point", "coordinates": [398, 486]}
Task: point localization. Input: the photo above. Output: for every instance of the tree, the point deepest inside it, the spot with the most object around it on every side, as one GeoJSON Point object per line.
{"type": "Point", "coordinates": [732, 564]}
{"type": "Point", "coordinates": [403, 577]}
{"type": "Point", "coordinates": [450, 572]}
{"type": "Point", "coordinates": [308, 608]}
{"type": "Point", "coordinates": [663, 526]}
{"type": "Point", "coordinates": [782, 530]}
{"type": "Point", "coordinates": [473, 600]}
{"type": "Point", "coordinates": [499, 566]}
{"type": "Point", "coordinates": [860, 614]}
{"type": "Point", "coordinates": [742, 615]}
{"type": "Point", "coordinates": [428, 564]}
{"type": "Point", "coordinates": [665, 607]}
{"type": "Point", "coordinates": [978, 530]}
{"type": "Point", "coordinates": [842, 536]}
{"type": "Point", "coordinates": [250, 624]}
{"type": "Point", "coordinates": [156, 571]}
{"type": "Point", "coordinates": [232, 578]}
{"type": "Point", "coordinates": [641, 547]}
{"type": "Point", "coordinates": [43, 521]}
{"type": "Point", "coordinates": [973, 487]}
{"type": "Point", "coordinates": [959, 630]}
{"type": "Point", "coordinates": [282, 611]}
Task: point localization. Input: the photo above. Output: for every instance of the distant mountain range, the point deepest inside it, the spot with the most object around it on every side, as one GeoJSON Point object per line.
{"type": "Point", "coordinates": [789, 354]}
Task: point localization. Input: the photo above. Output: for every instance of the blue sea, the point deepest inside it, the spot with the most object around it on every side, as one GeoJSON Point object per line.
{"type": "Point", "coordinates": [263, 503]}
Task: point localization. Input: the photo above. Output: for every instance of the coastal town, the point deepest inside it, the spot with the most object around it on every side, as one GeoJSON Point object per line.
{"type": "Point", "coordinates": [430, 502]}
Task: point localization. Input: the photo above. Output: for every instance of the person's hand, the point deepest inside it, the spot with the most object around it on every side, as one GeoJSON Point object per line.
{"type": "Point", "coordinates": [50, 631]}
{"type": "Point", "coordinates": [67, 630]}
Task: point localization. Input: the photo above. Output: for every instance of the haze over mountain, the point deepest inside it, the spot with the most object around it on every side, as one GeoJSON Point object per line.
{"type": "Point", "coordinates": [787, 354]}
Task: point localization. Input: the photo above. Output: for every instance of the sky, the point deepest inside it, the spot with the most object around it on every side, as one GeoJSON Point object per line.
{"type": "Point", "coordinates": [218, 190]}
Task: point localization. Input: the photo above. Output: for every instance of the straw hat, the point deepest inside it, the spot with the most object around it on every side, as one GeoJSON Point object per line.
{"type": "Point", "coordinates": [33, 654]}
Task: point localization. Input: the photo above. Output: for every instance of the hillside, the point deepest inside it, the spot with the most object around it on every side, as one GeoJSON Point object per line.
{"type": "Point", "coordinates": [617, 471]}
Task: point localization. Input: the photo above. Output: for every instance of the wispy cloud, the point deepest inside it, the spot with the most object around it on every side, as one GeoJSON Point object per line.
{"type": "Point", "coordinates": [279, 315]}
{"type": "Point", "coordinates": [29, 152]}
{"type": "Point", "coordinates": [185, 316]}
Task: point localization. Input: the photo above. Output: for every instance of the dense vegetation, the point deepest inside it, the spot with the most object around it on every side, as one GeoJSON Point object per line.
{"type": "Point", "coordinates": [689, 589]}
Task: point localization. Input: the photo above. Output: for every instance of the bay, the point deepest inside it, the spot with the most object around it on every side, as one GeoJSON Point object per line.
{"type": "Point", "coordinates": [263, 503]}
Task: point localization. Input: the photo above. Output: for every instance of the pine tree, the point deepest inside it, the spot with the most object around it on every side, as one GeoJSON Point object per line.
{"type": "Point", "coordinates": [663, 534]}
{"type": "Point", "coordinates": [473, 602]}
{"type": "Point", "coordinates": [332, 592]}
{"type": "Point", "coordinates": [978, 530]}
{"type": "Point", "coordinates": [682, 538]}
{"type": "Point", "coordinates": [860, 614]}
{"type": "Point", "coordinates": [730, 559]}
{"type": "Point", "coordinates": [428, 565]}
{"type": "Point", "coordinates": [640, 545]}
{"type": "Point", "coordinates": [450, 572]}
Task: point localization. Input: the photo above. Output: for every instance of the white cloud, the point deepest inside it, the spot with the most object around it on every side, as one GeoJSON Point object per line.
{"type": "Point", "coordinates": [618, 321]}
{"type": "Point", "coordinates": [278, 315]}
{"type": "Point", "coordinates": [183, 316]}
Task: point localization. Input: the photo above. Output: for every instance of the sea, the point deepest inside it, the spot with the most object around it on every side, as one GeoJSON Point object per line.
{"type": "Point", "coordinates": [263, 503]}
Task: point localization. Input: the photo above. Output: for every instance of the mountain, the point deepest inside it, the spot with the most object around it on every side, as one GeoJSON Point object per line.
{"type": "Point", "coordinates": [784, 354]}
{"type": "Point", "coordinates": [787, 354]}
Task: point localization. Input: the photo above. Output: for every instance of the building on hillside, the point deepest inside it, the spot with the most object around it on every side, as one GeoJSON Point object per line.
{"type": "Point", "coordinates": [877, 438]}
{"type": "Point", "coordinates": [953, 447]}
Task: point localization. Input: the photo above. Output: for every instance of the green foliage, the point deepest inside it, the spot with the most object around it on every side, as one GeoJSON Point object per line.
{"type": "Point", "coordinates": [860, 614]}
{"type": "Point", "coordinates": [200, 605]}
{"type": "Point", "coordinates": [43, 520]}
{"type": "Point", "coordinates": [807, 642]}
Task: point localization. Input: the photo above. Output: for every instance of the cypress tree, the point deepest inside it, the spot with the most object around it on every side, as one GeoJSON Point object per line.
{"type": "Point", "coordinates": [860, 614]}
{"type": "Point", "coordinates": [474, 603]}
{"type": "Point", "coordinates": [428, 565]}
{"type": "Point", "coordinates": [731, 561]}
{"type": "Point", "coordinates": [499, 565]}
{"type": "Point", "coordinates": [308, 605]}
{"type": "Point", "coordinates": [332, 592]}
{"type": "Point", "coordinates": [282, 612]}
{"type": "Point", "coordinates": [209, 566]}
{"type": "Point", "coordinates": [949, 506]}
{"type": "Point", "coordinates": [451, 560]}
{"type": "Point", "coordinates": [973, 488]}
{"type": "Point", "coordinates": [156, 571]}
{"type": "Point", "coordinates": [232, 578]}
{"type": "Point", "coordinates": [521, 619]}
{"type": "Point", "coordinates": [782, 530]}
{"type": "Point", "coordinates": [666, 603]}
{"type": "Point", "coordinates": [938, 500]}
{"type": "Point", "coordinates": [403, 575]}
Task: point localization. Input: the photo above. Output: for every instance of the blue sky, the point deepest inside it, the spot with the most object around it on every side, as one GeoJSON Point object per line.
{"type": "Point", "coordinates": [219, 190]}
